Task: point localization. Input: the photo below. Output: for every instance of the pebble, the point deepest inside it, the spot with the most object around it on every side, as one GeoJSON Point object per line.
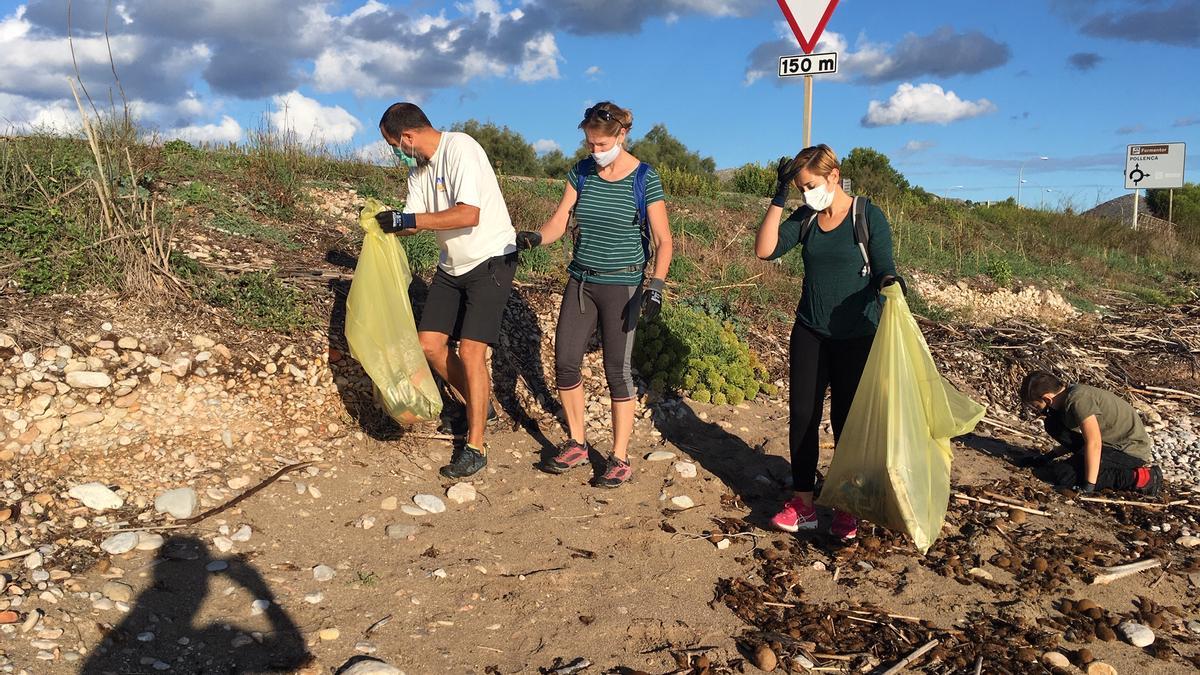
{"type": "Point", "coordinates": [980, 573]}
{"type": "Point", "coordinates": [1188, 542]}
{"type": "Point", "coordinates": [115, 590]}
{"type": "Point", "coordinates": [217, 566]}
{"type": "Point", "coordinates": [241, 640]}
{"type": "Point", "coordinates": [1055, 660]}
{"type": "Point", "coordinates": [150, 541]}
{"type": "Point", "coordinates": [259, 606]}
{"type": "Point", "coordinates": [323, 573]}
{"type": "Point", "coordinates": [122, 542]}
{"type": "Point", "coordinates": [660, 456]}
{"type": "Point", "coordinates": [33, 561]}
{"type": "Point", "coordinates": [389, 504]}
{"type": "Point", "coordinates": [765, 659]}
{"type": "Point", "coordinates": [1136, 634]}
{"type": "Point", "coordinates": [365, 647]}
{"type": "Point", "coordinates": [1100, 668]}
{"type": "Point", "coordinates": [430, 503]}
{"type": "Point", "coordinates": [685, 469]}
{"type": "Point", "coordinates": [314, 598]}
{"type": "Point", "coordinates": [242, 535]}
{"type": "Point", "coordinates": [723, 544]}
{"type": "Point", "coordinates": [461, 493]}
{"type": "Point", "coordinates": [86, 379]}
{"type": "Point", "coordinates": [1194, 626]}
{"type": "Point", "coordinates": [223, 544]}
{"type": "Point", "coordinates": [368, 667]}
{"type": "Point", "coordinates": [180, 503]}
{"type": "Point", "coordinates": [411, 510]}
{"type": "Point", "coordinates": [682, 502]}
{"type": "Point", "coordinates": [103, 605]}
{"type": "Point", "coordinates": [96, 496]}
{"type": "Point", "coordinates": [237, 483]}
{"type": "Point", "coordinates": [329, 634]}
{"type": "Point", "coordinates": [401, 531]}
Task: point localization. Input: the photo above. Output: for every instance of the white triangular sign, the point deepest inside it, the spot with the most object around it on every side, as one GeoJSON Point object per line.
{"type": "Point", "coordinates": [807, 19]}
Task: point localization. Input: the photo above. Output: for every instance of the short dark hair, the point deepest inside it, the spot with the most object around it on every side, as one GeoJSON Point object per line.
{"type": "Point", "coordinates": [401, 117]}
{"type": "Point", "coordinates": [1039, 383]}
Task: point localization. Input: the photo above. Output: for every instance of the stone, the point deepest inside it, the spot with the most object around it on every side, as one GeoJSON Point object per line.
{"type": "Point", "coordinates": [1136, 634]}
{"type": "Point", "coordinates": [329, 634]}
{"type": "Point", "coordinates": [202, 343]}
{"type": "Point", "coordinates": [150, 541]}
{"type": "Point", "coordinates": [127, 343]}
{"type": "Point", "coordinates": [1055, 660]}
{"type": "Point", "coordinates": [217, 566]}
{"type": "Point", "coordinates": [461, 493]}
{"type": "Point", "coordinates": [238, 482]}
{"type": "Point", "coordinates": [33, 561]}
{"type": "Point", "coordinates": [1100, 668]}
{"type": "Point", "coordinates": [314, 598]}
{"type": "Point", "coordinates": [368, 667]}
{"type": "Point", "coordinates": [96, 496]}
{"type": "Point", "coordinates": [430, 503]}
{"type": "Point", "coordinates": [389, 504]}
{"type": "Point", "coordinates": [84, 418]}
{"type": "Point", "coordinates": [223, 544]}
{"type": "Point", "coordinates": [409, 509]}
{"type": "Point", "coordinates": [980, 573]}
{"type": "Point", "coordinates": [365, 647]}
{"type": "Point", "coordinates": [1194, 626]}
{"type": "Point", "coordinates": [1188, 542]}
{"type": "Point", "coordinates": [87, 379]}
{"type": "Point", "coordinates": [723, 544]}
{"type": "Point", "coordinates": [682, 502]}
{"type": "Point", "coordinates": [122, 542]}
{"type": "Point", "coordinates": [49, 425]}
{"type": "Point", "coordinates": [323, 573]}
{"type": "Point", "coordinates": [660, 456]}
{"type": "Point", "coordinates": [179, 503]}
{"type": "Point", "coordinates": [765, 659]}
{"type": "Point", "coordinates": [117, 591]}
{"type": "Point", "coordinates": [400, 531]}
{"type": "Point", "coordinates": [242, 534]}
{"type": "Point", "coordinates": [685, 469]}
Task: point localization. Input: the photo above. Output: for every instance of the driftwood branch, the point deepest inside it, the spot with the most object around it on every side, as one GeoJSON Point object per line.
{"type": "Point", "coordinates": [1111, 574]}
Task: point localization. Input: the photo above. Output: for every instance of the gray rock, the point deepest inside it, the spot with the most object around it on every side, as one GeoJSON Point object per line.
{"type": "Point", "coordinates": [461, 493]}
{"type": "Point", "coordinates": [86, 379]}
{"type": "Point", "coordinates": [217, 566]}
{"type": "Point", "coordinates": [96, 496]}
{"type": "Point", "coordinates": [401, 531]}
{"type": "Point", "coordinates": [117, 591]}
{"type": "Point", "coordinates": [122, 542]}
{"type": "Point", "coordinates": [323, 573]}
{"type": "Point", "coordinates": [430, 503]}
{"type": "Point", "coordinates": [660, 456]}
{"type": "Point", "coordinates": [150, 541]}
{"type": "Point", "coordinates": [685, 469]}
{"type": "Point", "coordinates": [242, 535]}
{"type": "Point", "coordinates": [1136, 634]}
{"type": "Point", "coordinates": [369, 667]}
{"type": "Point", "coordinates": [33, 561]}
{"type": "Point", "coordinates": [682, 502]}
{"type": "Point", "coordinates": [1194, 626]}
{"type": "Point", "coordinates": [180, 503]}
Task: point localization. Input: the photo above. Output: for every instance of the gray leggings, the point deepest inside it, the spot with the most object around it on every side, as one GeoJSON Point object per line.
{"type": "Point", "coordinates": [583, 306]}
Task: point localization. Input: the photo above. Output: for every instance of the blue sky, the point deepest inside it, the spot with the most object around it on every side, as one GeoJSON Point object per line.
{"type": "Point", "coordinates": [959, 94]}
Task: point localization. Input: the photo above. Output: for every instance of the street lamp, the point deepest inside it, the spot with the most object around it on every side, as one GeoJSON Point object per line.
{"type": "Point", "coordinates": [1021, 180]}
{"type": "Point", "coordinates": [1043, 206]}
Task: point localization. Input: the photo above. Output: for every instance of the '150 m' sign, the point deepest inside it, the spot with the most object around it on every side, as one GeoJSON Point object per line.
{"type": "Point", "coordinates": [808, 64]}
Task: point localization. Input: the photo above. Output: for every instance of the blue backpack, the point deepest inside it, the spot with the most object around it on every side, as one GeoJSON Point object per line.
{"type": "Point", "coordinates": [586, 167]}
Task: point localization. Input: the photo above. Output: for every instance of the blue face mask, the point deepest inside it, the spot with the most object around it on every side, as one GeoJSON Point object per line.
{"type": "Point", "coordinates": [409, 160]}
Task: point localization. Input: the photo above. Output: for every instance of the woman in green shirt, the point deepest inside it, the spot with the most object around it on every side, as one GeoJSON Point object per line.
{"type": "Point", "coordinates": [837, 315]}
{"type": "Point", "coordinates": [606, 276]}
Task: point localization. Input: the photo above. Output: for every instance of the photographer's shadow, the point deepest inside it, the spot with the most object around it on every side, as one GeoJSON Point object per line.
{"type": "Point", "coordinates": [518, 358]}
{"type": "Point", "coordinates": [162, 622]}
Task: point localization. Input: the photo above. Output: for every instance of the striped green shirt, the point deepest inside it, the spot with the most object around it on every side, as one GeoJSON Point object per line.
{"type": "Point", "coordinates": [609, 235]}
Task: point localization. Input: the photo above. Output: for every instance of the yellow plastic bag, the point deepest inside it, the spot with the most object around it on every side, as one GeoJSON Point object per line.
{"type": "Point", "coordinates": [380, 326]}
{"type": "Point", "coordinates": [892, 462]}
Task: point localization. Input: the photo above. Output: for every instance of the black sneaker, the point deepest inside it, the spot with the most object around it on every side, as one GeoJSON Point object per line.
{"type": "Point", "coordinates": [455, 421]}
{"type": "Point", "coordinates": [617, 473]}
{"type": "Point", "coordinates": [1152, 488]}
{"type": "Point", "coordinates": [464, 463]}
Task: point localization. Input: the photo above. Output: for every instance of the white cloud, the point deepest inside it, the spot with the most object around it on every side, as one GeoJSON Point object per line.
{"type": "Point", "coordinates": [926, 103]}
{"type": "Point", "coordinates": [593, 71]}
{"type": "Point", "coordinates": [227, 131]}
{"type": "Point", "coordinates": [544, 145]}
{"type": "Point", "coordinates": [915, 146]}
{"type": "Point", "coordinates": [312, 122]}
{"type": "Point", "coordinates": [21, 114]}
{"type": "Point", "coordinates": [378, 152]}
{"type": "Point", "coordinates": [541, 59]}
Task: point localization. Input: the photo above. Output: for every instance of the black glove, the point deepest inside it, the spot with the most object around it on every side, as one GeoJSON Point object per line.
{"type": "Point", "coordinates": [395, 221]}
{"type": "Point", "coordinates": [889, 279]}
{"type": "Point", "coordinates": [527, 240]}
{"type": "Point", "coordinates": [786, 174]}
{"type": "Point", "coordinates": [1085, 488]}
{"type": "Point", "coordinates": [653, 299]}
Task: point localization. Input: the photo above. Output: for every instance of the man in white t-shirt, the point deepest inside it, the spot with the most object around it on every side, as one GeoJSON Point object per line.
{"type": "Point", "coordinates": [452, 191]}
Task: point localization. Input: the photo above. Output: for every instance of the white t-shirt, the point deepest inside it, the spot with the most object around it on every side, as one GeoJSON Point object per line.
{"type": "Point", "coordinates": [459, 173]}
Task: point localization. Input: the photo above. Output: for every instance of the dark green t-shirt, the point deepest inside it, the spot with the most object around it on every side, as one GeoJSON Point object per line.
{"type": "Point", "coordinates": [1120, 425]}
{"type": "Point", "coordinates": [837, 301]}
{"type": "Point", "coordinates": [609, 235]}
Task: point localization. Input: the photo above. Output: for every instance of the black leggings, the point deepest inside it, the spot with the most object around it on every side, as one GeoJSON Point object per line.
{"type": "Point", "coordinates": [819, 363]}
{"type": "Point", "coordinates": [608, 305]}
{"type": "Point", "coordinates": [1117, 468]}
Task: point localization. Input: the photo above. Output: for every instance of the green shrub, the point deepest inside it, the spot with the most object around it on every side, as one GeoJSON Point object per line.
{"type": "Point", "coordinates": [1000, 271]}
{"type": "Point", "coordinates": [690, 351]}
{"type": "Point", "coordinates": [677, 183]}
{"type": "Point", "coordinates": [691, 228]}
{"type": "Point", "coordinates": [755, 179]}
{"type": "Point", "coordinates": [422, 251]}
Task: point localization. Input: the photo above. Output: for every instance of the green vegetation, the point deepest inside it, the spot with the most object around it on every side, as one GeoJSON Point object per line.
{"type": "Point", "coordinates": [508, 151]}
{"type": "Point", "coordinates": [755, 179]}
{"type": "Point", "coordinates": [664, 151]}
{"type": "Point", "coordinates": [255, 300]}
{"type": "Point", "coordinates": [1183, 208]}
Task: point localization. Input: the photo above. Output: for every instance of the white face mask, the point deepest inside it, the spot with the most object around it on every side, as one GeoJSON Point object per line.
{"type": "Point", "coordinates": [818, 198]}
{"type": "Point", "coordinates": [609, 156]}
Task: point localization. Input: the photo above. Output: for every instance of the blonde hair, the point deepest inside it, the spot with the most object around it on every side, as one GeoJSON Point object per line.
{"type": "Point", "coordinates": [819, 160]}
{"type": "Point", "coordinates": [619, 118]}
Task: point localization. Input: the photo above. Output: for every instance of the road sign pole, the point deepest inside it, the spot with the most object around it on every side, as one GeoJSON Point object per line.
{"type": "Point", "coordinates": [808, 94]}
{"type": "Point", "coordinates": [1171, 205]}
{"type": "Point", "coordinates": [1135, 207]}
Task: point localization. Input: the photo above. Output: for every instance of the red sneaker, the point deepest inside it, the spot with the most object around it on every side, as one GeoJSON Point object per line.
{"type": "Point", "coordinates": [844, 526]}
{"type": "Point", "coordinates": [795, 516]}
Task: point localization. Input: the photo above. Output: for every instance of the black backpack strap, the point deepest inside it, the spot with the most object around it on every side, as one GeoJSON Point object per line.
{"type": "Point", "coordinates": [862, 232]}
{"type": "Point", "coordinates": [807, 225]}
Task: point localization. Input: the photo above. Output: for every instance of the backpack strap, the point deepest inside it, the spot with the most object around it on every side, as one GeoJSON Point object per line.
{"type": "Point", "coordinates": [862, 232]}
{"type": "Point", "coordinates": [583, 168]}
{"type": "Point", "coordinates": [643, 216]}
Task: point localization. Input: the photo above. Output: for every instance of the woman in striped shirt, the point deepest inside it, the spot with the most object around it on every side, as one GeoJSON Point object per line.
{"type": "Point", "coordinates": [610, 264]}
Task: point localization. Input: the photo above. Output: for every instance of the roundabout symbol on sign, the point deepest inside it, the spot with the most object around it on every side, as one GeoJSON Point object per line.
{"type": "Point", "coordinates": [1137, 174]}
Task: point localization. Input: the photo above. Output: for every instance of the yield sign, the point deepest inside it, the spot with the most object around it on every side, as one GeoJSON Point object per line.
{"type": "Point", "coordinates": [807, 17]}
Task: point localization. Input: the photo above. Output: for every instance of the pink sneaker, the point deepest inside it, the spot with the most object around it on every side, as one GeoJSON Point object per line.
{"type": "Point", "coordinates": [795, 516]}
{"type": "Point", "coordinates": [844, 525]}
